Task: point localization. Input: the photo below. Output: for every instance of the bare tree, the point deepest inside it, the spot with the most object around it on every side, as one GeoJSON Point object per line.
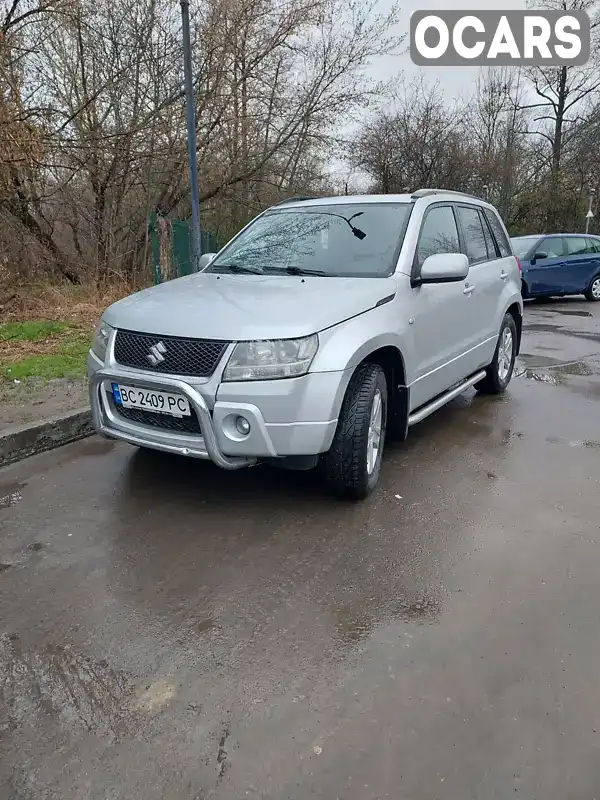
{"type": "Point", "coordinates": [102, 92]}
{"type": "Point", "coordinates": [561, 101]}
{"type": "Point", "coordinates": [417, 143]}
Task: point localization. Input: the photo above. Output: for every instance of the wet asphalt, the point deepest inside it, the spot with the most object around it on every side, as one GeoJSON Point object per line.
{"type": "Point", "coordinates": [168, 630]}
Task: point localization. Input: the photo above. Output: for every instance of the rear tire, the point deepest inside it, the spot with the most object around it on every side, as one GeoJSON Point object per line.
{"type": "Point", "coordinates": [353, 463]}
{"type": "Point", "coordinates": [499, 372]}
{"type": "Point", "coordinates": [593, 291]}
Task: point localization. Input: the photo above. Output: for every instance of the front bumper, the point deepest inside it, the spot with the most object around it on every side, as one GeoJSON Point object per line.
{"type": "Point", "coordinates": [312, 401]}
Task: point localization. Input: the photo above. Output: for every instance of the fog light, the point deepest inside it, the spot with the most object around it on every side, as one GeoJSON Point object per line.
{"type": "Point", "coordinates": [242, 425]}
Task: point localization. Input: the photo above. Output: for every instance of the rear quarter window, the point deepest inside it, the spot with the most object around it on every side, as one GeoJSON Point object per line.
{"type": "Point", "coordinates": [594, 245]}
{"type": "Point", "coordinates": [498, 231]}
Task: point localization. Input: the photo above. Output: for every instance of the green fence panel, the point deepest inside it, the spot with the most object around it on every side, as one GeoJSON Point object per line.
{"type": "Point", "coordinates": [208, 242]}
{"type": "Point", "coordinates": [171, 242]}
{"type": "Point", "coordinates": [182, 251]}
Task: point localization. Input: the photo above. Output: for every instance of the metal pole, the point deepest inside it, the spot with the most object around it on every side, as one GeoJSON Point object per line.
{"type": "Point", "coordinates": [589, 214]}
{"type": "Point", "coordinates": [191, 131]}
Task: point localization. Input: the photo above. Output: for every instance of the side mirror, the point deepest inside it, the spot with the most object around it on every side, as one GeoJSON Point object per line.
{"type": "Point", "coordinates": [444, 268]}
{"type": "Point", "coordinates": [540, 256]}
{"type": "Point", "coordinates": [205, 260]}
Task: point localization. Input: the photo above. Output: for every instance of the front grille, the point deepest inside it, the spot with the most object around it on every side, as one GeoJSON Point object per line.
{"type": "Point", "coordinates": [180, 356]}
{"type": "Point", "coordinates": [163, 421]}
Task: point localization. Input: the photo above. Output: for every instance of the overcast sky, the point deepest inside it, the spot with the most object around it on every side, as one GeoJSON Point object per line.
{"type": "Point", "coordinates": [452, 80]}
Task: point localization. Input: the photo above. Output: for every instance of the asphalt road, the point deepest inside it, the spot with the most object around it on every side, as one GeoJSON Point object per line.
{"type": "Point", "coordinates": [171, 631]}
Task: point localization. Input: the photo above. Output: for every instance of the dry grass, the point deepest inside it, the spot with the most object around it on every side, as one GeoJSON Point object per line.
{"type": "Point", "coordinates": [81, 305]}
{"type": "Point", "coordinates": [11, 351]}
{"type": "Point", "coordinates": [46, 329]}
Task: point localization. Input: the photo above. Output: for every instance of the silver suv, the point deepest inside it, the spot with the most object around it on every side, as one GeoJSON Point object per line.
{"type": "Point", "coordinates": [324, 327]}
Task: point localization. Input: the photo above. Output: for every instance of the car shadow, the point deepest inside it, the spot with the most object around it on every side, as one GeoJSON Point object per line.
{"type": "Point", "coordinates": [191, 542]}
{"type": "Point", "coordinates": [161, 479]}
{"type": "Point", "coordinates": [555, 301]}
{"type": "Point", "coordinates": [155, 474]}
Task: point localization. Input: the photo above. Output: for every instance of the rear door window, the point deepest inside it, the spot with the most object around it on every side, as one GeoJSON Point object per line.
{"type": "Point", "coordinates": [473, 232]}
{"type": "Point", "coordinates": [489, 239]}
{"type": "Point", "coordinates": [577, 246]}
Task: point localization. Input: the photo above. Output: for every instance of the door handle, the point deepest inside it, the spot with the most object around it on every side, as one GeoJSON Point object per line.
{"type": "Point", "coordinates": [469, 289]}
{"type": "Point", "coordinates": [504, 275]}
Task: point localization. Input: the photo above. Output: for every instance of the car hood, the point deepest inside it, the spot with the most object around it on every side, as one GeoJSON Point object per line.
{"type": "Point", "coordinates": [238, 307]}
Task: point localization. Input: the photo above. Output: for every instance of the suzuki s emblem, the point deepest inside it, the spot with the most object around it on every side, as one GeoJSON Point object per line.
{"type": "Point", "coordinates": [157, 353]}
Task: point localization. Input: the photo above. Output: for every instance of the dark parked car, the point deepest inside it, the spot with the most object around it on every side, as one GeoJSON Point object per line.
{"type": "Point", "coordinates": [560, 264]}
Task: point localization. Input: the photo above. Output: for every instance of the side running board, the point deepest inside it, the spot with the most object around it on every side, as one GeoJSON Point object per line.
{"type": "Point", "coordinates": [430, 408]}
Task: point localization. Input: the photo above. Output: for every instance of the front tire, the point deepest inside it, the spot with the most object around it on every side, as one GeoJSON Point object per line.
{"type": "Point", "coordinates": [353, 462]}
{"type": "Point", "coordinates": [593, 291]}
{"type": "Point", "coordinates": [499, 372]}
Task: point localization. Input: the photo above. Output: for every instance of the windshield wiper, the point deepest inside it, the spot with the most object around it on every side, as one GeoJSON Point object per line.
{"type": "Point", "coordinates": [300, 271]}
{"type": "Point", "coordinates": [237, 268]}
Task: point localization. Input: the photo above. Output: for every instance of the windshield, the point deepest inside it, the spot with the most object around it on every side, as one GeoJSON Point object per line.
{"type": "Point", "coordinates": [523, 244]}
{"type": "Point", "coordinates": [345, 240]}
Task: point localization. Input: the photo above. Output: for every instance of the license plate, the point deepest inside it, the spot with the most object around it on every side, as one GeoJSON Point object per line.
{"type": "Point", "coordinates": [150, 400]}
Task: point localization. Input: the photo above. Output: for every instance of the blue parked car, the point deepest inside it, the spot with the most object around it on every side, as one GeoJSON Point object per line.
{"type": "Point", "coordinates": [560, 264]}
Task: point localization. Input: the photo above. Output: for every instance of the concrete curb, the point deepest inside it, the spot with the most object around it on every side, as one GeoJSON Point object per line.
{"type": "Point", "coordinates": [28, 440]}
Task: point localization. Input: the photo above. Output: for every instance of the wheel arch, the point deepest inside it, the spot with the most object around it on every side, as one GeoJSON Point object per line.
{"type": "Point", "coordinates": [391, 360]}
{"type": "Point", "coordinates": [594, 276]}
{"type": "Point", "coordinates": [517, 314]}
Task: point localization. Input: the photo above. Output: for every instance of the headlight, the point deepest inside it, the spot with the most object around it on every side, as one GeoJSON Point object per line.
{"type": "Point", "coordinates": [100, 340]}
{"type": "Point", "coordinates": [262, 361]}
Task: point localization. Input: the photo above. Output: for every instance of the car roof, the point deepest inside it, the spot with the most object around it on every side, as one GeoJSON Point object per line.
{"type": "Point", "coordinates": [345, 199]}
{"type": "Point", "coordinates": [437, 194]}
{"type": "Point", "coordinates": [556, 235]}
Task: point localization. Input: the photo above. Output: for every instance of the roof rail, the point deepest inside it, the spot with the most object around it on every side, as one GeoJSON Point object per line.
{"type": "Point", "coordinates": [293, 200]}
{"type": "Point", "coordinates": [427, 192]}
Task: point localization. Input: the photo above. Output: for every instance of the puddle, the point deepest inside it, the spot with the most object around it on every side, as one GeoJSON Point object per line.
{"type": "Point", "coordinates": [354, 625]}
{"type": "Point", "coordinates": [576, 368]}
{"type": "Point", "coordinates": [570, 312]}
{"type": "Point", "coordinates": [205, 625]}
{"type": "Point", "coordinates": [548, 370]}
{"type": "Point", "coordinates": [57, 681]}
{"type": "Point", "coordinates": [540, 361]}
{"type": "Point", "coordinates": [544, 328]}
{"type": "Point", "coordinates": [542, 377]}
